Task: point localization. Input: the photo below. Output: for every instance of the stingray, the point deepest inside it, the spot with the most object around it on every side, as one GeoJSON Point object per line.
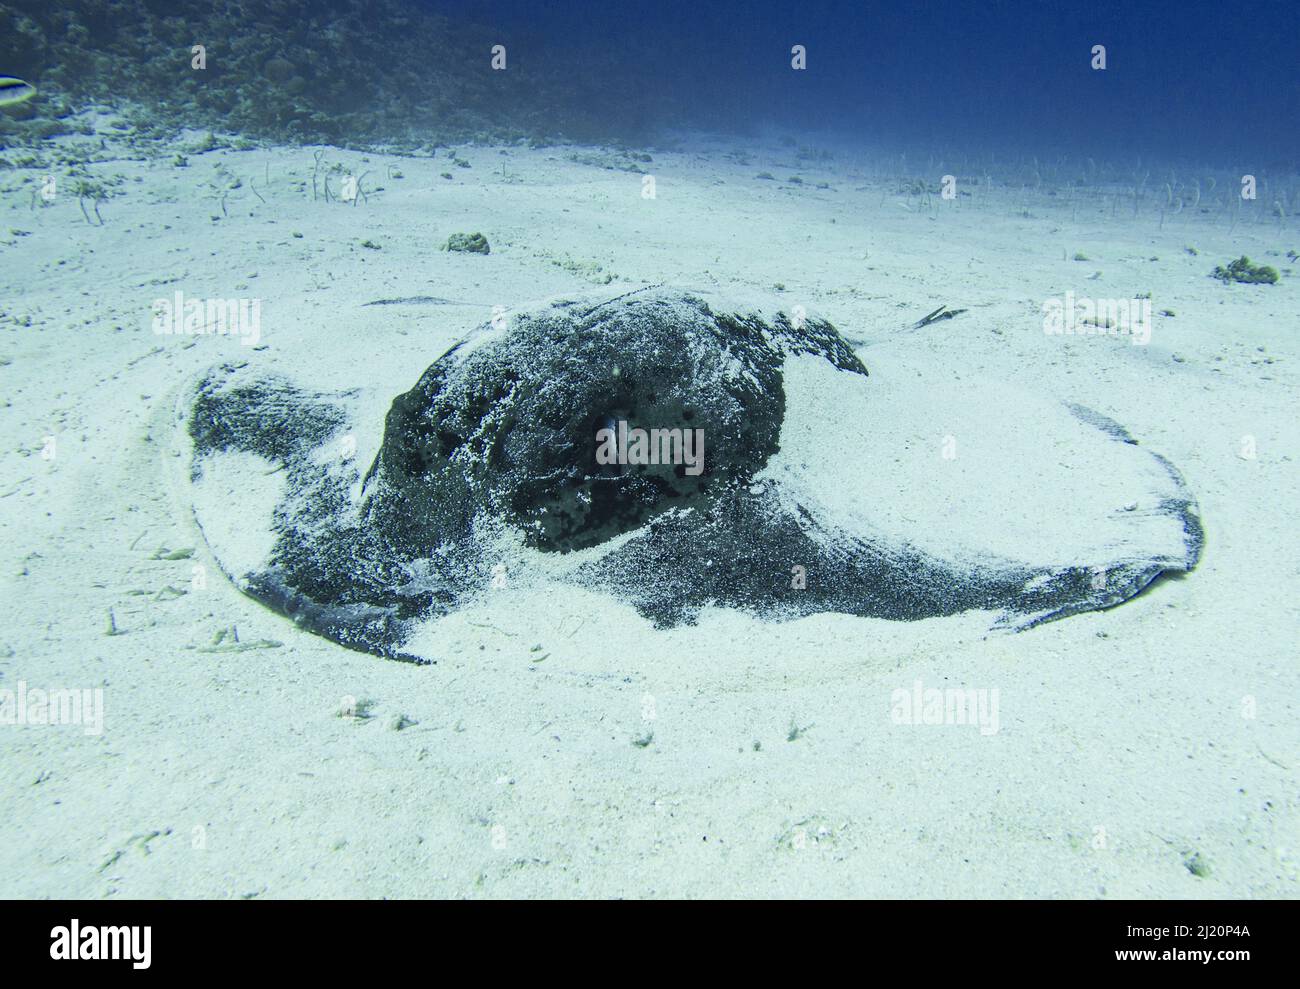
{"type": "Point", "coordinates": [556, 445]}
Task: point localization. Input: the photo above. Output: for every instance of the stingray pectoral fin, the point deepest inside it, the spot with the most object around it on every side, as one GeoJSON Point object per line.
{"type": "Point", "coordinates": [1074, 590]}
{"type": "Point", "coordinates": [236, 407]}
{"type": "Point", "coordinates": [363, 627]}
{"type": "Point", "coordinates": [275, 487]}
{"type": "Point", "coordinates": [1017, 503]}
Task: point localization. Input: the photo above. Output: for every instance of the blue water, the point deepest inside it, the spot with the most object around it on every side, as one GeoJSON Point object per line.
{"type": "Point", "coordinates": [1204, 81]}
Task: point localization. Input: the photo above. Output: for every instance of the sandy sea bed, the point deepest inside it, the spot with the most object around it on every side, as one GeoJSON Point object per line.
{"type": "Point", "coordinates": [1146, 751]}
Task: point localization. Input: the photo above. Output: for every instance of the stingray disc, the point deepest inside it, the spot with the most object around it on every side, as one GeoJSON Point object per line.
{"type": "Point", "coordinates": [678, 454]}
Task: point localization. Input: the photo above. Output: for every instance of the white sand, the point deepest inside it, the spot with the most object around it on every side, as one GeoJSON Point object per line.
{"type": "Point", "coordinates": [1124, 747]}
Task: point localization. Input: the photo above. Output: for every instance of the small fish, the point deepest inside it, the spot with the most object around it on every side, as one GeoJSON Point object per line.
{"type": "Point", "coordinates": [15, 90]}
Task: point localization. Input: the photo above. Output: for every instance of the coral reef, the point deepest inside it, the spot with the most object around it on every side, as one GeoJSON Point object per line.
{"type": "Point", "coordinates": [347, 72]}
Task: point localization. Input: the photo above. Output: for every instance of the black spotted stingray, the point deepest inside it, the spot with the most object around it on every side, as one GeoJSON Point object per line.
{"type": "Point", "coordinates": [823, 487]}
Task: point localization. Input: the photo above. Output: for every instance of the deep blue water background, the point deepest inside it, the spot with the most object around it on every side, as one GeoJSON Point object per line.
{"type": "Point", "coordinates": [1203, 81]}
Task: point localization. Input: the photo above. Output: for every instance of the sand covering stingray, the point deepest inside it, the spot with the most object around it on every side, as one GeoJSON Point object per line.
{"type": "Point", "coordinates": [824, 488]}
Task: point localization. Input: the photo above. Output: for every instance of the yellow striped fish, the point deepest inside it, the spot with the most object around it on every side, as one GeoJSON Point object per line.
{"type": "Point", "coordinates": [15, 90]}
